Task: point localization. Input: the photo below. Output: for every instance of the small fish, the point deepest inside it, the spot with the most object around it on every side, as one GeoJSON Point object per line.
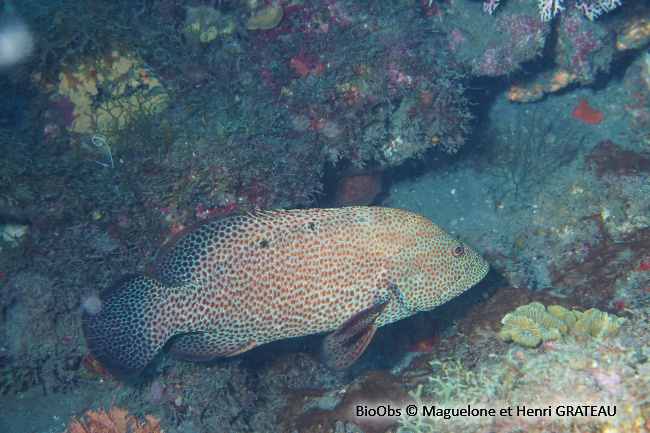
{"type": "Point", "coordinates": [228, 285]}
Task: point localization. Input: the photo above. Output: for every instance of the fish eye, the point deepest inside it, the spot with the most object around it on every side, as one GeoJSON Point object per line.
{"type": "Point", "coordinates": [457, 251]}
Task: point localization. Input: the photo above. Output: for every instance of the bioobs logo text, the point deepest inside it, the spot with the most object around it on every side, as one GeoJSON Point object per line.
{"type": "Point", "coordinates": [381, 410]}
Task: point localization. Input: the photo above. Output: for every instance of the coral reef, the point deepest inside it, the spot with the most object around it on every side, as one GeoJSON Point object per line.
{"type": "Point", "coordinates": [30, 335]}
{"type": "Point", "coordinates": [40, 337]}
{"type": "Point", "coordinates": [612, 373]}
{"type": "Point", "coordinates": [517, 38]}
{"type": "Point", "coordinates": [514, 38]}
{"type": "Point", "coordinates": [531, 324]}
{"type": "Point", "coordinates": [206, 111]}
{"type": "Point", "coordinates": [585, 228]}
{"type": "Point", "coordinates": [586, 47]}
{"type": "Point", "coordinates": [577, 52]}
{"type": "Point", "coordinates": [222, 396]}
{"type": "Point", "coordinates": [182, 98]}
{"type": "Point", "coordinates": [608, 157]}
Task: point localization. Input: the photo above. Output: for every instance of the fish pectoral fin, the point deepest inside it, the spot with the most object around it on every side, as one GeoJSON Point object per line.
{"type": "Point", "coordinates": [400, 299]}
{"type": "Point", "coordinates": [343, 346]}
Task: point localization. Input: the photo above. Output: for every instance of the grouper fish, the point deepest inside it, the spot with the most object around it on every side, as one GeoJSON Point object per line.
{"type": "Point", "coordinates": [227, 285]}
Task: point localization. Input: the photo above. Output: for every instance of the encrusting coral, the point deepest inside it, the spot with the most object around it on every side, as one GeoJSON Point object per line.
{"type": "Point", "coordinates": [116, 421]}
{"type": "Point", "coordinates": [531, 324]}
{"type": "Point", "coordinates": [266, 18]}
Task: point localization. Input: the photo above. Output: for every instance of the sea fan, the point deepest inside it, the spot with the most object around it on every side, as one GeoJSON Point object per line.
{"type": "Point", "coordinates": [116, 421]}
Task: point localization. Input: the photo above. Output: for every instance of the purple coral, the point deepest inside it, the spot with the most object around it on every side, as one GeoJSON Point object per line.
{"type": "Point", "coordinates": [585, 49]}
{"type": "Point", "coordinates": [525, 36]}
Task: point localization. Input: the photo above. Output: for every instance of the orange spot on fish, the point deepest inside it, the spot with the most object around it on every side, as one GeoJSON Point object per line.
{"type": "Point", "coordinates": [587, 114]}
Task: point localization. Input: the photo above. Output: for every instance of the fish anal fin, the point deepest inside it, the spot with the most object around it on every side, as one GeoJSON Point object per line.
{"type": "Point", "coordinates": [343, 346]}
{"type": "Point", "coordinates": [203, 346]}
{"type": "Point", "coordinates": [245, 348]}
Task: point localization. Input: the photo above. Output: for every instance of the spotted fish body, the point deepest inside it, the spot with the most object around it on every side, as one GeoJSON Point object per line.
{"type": "Point", "coordinates": [228, 285]}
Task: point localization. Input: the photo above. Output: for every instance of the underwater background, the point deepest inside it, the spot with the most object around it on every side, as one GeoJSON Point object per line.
{"type": "Point", "coordinates": [520, 126]}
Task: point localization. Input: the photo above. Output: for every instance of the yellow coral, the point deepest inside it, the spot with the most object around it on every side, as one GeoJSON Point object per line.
{"type": "Point", "coordinates": [266, 18]}
{"type": "Point", "coordinates": [597, 323]}
{"type": "Point", "coordinates": [522, 330]}
{"type": "Point", "coordinates": [531, 324]}
{"type": "Point", "coordinates": [634, 35]}
{"type": "Point", "coordinates": [538, 313]}
{"type": "Point", "coordinates": [108, 94]}
{"type": "Point", "coordinates": [528, 337]}
{"type": "Point", "coordinates": [568, 317]}
{"type": "Point", "coordinates": [203, 22]}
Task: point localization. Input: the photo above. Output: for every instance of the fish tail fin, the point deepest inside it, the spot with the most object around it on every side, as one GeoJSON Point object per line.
{"type": "Point", "coordinates": [123, 330]}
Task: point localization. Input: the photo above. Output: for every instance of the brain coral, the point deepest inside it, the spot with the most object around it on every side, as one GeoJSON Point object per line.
{"type": "Point", "coordinates": [531, 324]}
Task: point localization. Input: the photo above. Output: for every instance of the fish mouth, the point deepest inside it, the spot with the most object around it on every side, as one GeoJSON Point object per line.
{"type": "Point", "coordinates": [483, 268]}
{"type": "Point", "coordinates": [475, 271]}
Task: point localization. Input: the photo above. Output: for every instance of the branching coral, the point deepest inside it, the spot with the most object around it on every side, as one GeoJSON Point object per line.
{"type": "Point", "coordinates": [548, 9]}
{"type": "Point", "coordinates": [116, 421]}
{"type": "Point", "coordinates": [531, 324]}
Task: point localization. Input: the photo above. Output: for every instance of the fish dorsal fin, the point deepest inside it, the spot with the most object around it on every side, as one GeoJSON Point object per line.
{"type": "Point", "coordinates": [189, 253]}
{"type": "Point", "coordinates": [343, 346]}
{"type": "Point", "coordinates": [177, 260]}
